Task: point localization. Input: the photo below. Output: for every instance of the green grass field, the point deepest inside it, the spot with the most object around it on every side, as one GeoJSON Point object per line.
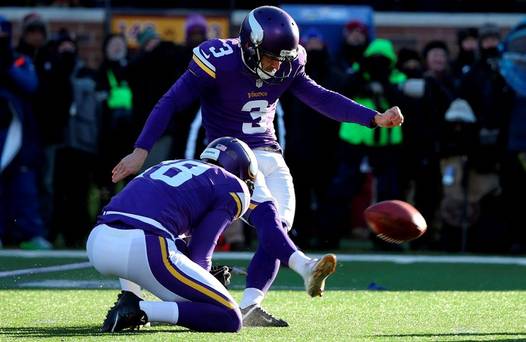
{"type": "Point", "coordinates": [424, 301]}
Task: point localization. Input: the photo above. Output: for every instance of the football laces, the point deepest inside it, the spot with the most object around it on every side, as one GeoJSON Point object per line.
{"type": "Point", "coordinates": [389, 239]}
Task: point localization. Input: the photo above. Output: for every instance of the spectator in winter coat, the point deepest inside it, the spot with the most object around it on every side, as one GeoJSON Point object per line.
{"type": "Point", "coordinates": [20, 219]}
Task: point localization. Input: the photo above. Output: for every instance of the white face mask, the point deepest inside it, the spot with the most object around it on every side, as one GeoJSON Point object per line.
{"type": "Point", "coordinates": [264, 75]}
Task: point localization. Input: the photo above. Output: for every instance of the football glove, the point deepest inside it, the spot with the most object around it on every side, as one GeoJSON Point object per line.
{"type": "Point", "coordinates": [222, 273]}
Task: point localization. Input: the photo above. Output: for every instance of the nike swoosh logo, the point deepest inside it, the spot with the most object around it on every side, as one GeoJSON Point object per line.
{"type": "Point", "coordinates": [204, 54]}
{"type": "Point", "coordinates": [115, 323]}
{"type": "Point", "coordinates": [268, 320]}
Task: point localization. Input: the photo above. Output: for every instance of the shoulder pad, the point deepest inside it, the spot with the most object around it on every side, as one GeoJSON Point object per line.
{"type": "Point", "coordinates": [209, 56]}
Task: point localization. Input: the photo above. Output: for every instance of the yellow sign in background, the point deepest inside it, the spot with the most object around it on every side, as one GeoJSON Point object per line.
{"type": "Point", "coordinates": [169, 27]}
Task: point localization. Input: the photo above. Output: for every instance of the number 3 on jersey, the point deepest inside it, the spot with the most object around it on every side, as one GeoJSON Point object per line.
{"type": "Point", "coordinates": [175, 173]}
{"type": "Point", "coordinates": [260, 122]}
{"type": "Point", "coordinates": [223, 51]}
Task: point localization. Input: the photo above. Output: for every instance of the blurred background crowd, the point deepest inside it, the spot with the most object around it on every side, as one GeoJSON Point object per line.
{"type": "Point", "coordinates": [69, 114]}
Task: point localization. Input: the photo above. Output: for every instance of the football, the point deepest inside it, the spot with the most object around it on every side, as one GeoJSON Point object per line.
{"type": "Point", "coordinates": [395, 221]}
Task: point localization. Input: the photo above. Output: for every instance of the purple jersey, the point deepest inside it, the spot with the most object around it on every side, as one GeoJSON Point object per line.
{"type": "Point", "coordinates": [236, 103]}
{"type": "Point", "coordinates": [179, 197]}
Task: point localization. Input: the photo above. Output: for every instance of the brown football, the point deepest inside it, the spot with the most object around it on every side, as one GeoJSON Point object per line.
{"type": "Point", "coordinates": [395, 221]}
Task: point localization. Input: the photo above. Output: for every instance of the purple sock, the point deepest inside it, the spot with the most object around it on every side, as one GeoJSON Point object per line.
{"type": "Point", "coordinates": [272, 237]}
{"type": "Point", "coordinates": [208, 317]}
{"type": "Point", "coordinates": [262, 270]}
{"type": "Point", "coordinates": [274, 246]}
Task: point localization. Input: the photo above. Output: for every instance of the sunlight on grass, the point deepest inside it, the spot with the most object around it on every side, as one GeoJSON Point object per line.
{"type": "Point", "coordinates": [338, 316]}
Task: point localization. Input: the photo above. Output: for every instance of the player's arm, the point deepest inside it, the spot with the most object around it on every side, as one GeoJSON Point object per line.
{"type": "Point", "coordinates": [198, 78]}
{"type": "Point", "coordinates": [185, 91]}
{"type": "Point", "coordinates": [339, 107]}
{"type": "Point", "coordinates": [230, 206]}
{"type": "Point", "coordinates": [205, 236]}
{"type": "Point", "coordinates": [181, 95]}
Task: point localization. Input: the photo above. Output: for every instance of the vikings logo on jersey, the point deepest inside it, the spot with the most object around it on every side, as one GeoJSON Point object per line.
{"type": "Point", "coordinates": [223, 76]}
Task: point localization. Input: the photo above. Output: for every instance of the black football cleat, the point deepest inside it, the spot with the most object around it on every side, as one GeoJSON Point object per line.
{"type": "Point", "coordinates": [255, 316]}
{"type": "Point", "coordinates": [125, 314]}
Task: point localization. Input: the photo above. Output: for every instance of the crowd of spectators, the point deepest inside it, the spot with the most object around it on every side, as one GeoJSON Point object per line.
{"type": "Point", "coordinates": [63, 126]}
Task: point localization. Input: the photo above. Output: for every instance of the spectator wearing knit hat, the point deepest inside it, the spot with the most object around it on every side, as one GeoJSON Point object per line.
{"type": "Point", "coordinates": [151, 72]}
{"type": "Point", "coordinates": [20, 219]}
{"type": "Point", "coordinates": [116, 111]}
{"type": "Point", "coordinates": [34, 43]}
{"type": "Point", "coordinates": [436, 58]}
{"type": "Point", "coordinates": [355, 41]}
{"type": "Point", "coordinates": [467, 40]}
{"type": "Point", "coordinates": [490, 99]}
{"type": "Point", "coordinates": [34, 35]}
{"type": "Point", "coordinates": [196, 30]}
{"type": "Point", "coordinates": [486, 92]}
{"type": "Point", "coordinates": [375, 84]}
{"type": "Point", "coordinates": [423, 135]}
{"type": "Point", "coordinates": [69, 127]}
{"type": "Point", "coordinates": [489, 39]}
{"type": "Point", "coordinates": [410, 63]}
{"type": "Point", "coordinates": [302, 123]}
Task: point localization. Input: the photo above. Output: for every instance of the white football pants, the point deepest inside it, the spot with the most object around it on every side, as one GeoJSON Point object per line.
{"type": "Point", "coordinates": [155, 264]}
{"type": "Point", "coordinates": [274, 182]}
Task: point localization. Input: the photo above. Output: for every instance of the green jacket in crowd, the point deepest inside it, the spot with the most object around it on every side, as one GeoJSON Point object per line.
{"type": "Point", "coordinates": [356, 134]}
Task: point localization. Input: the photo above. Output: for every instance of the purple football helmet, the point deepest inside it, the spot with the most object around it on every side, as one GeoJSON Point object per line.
{"type": "Point", "coordinates": [268, 30]}
{"type": "Point", "coordinates": [234, 156]}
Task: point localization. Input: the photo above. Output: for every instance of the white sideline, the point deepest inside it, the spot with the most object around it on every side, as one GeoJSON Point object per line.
{"type": "Point", "coordinates": [72, 284]}
{"type": "Point", "coordinates": [399, 259]}
{"type": "Point", "coordinates": [395, 258]}
{"type": "Point", "coordinates": [47, 269]}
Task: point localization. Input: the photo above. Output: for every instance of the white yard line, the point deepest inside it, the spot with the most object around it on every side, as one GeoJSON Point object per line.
{"type": "Point", "coordinates": [72, 284]}
{"type": "Point", "coordinates": [394, 258]}
{"type": "Point", "coordinates": [434, 259]}
{"type": "Point", "coordinates": [400, 259]}
{"type": "Point", "coordinates": [114, 284]}
{"type": "Point", "coordinates": [43, 254]}
{"type": "Point", "coordinates": [35, 270]}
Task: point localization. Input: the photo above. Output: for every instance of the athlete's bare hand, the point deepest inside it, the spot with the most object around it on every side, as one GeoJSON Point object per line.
{"type": "Point", "coordinates": [131, 164]}
{"type": "Point", "coordinates": [390, 118]}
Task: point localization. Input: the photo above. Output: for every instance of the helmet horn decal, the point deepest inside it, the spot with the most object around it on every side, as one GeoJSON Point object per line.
{"type": "Point", "coordinates": [256, 34]}
{"type": "Point", "coordinates": [269, 31]}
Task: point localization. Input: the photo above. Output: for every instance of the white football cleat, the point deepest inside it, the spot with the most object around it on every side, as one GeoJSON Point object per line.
{"type": "Point", "coordinates": [321, 269]}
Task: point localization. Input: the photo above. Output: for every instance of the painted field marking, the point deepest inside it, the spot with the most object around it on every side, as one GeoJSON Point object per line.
{"type": "Point", "coordinates": [399, 259]}
{"type": "Point", "coordinates": [69, 283]}
{"type": "Point", "coordinates": [395, 258]}
{"type": "Point", "coordinates": [47, 269]}
{"type": "Point", "coordinates": [72, 284]}
{"type": "Point", "coordinates": [20, 253]}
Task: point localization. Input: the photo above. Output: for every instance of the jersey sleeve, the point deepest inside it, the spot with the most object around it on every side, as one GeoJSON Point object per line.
{"type": "Point", "coordinates": [206, 59]}
{"type": "Point", "coordinates": [180, 96]}
{"type": "Point", "coordinates": [199, 78]}
{"type": "Point", "coordinates": [232, 202]}
{"type": "Point", "coordinates": [328, 102]}
{"type": "Point", "coordinates": [205, 236]}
